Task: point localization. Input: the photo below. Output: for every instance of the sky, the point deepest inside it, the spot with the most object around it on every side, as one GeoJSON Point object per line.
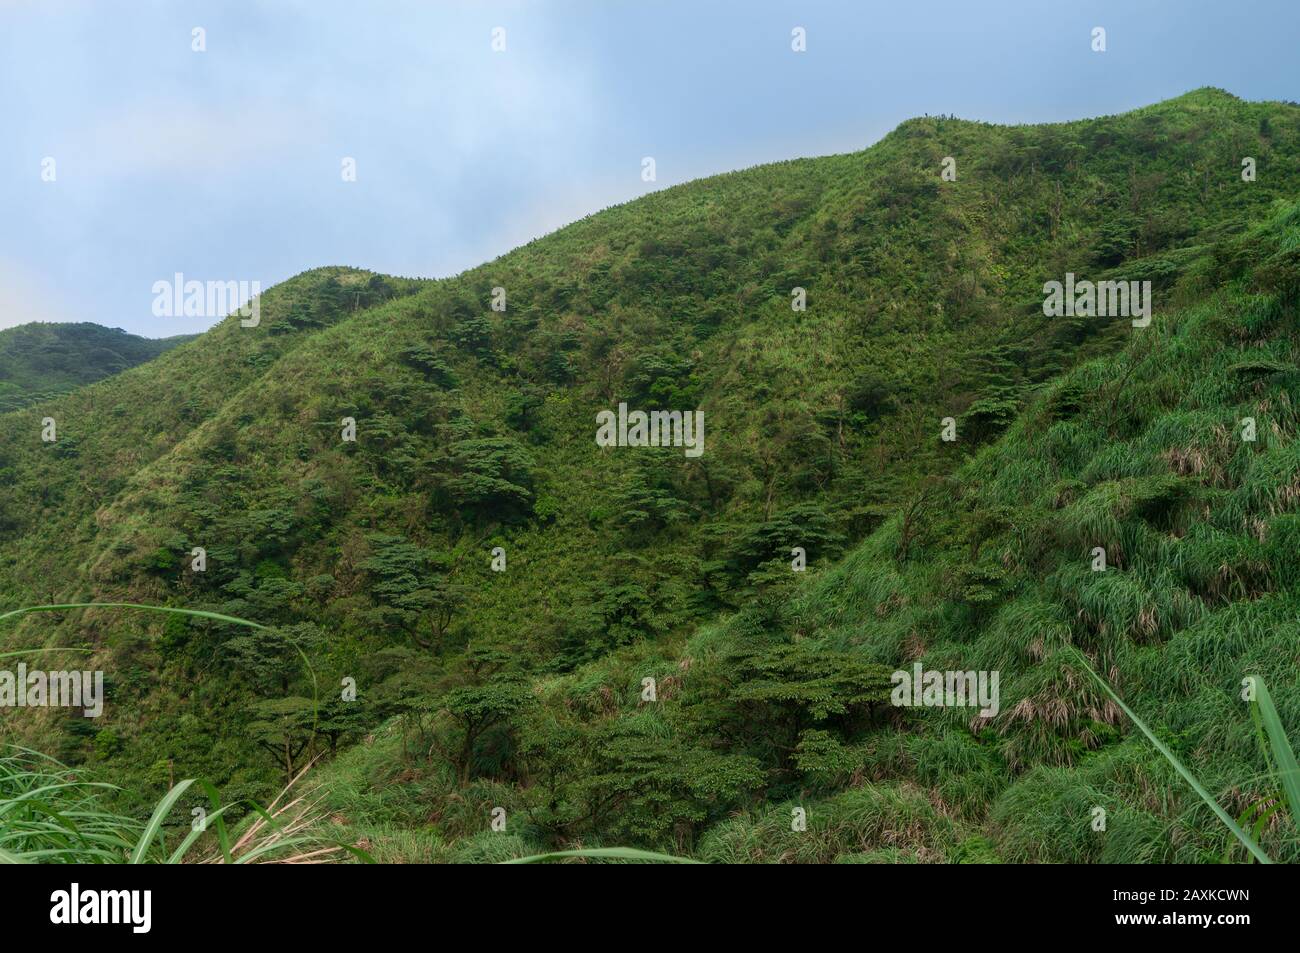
{"type": "Point", "coordinates": [227, 164]}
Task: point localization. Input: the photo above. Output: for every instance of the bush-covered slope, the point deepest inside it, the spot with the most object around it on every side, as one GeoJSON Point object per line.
{"type": "Point", "coordinates": [1147, 455]}
{"type": "Point", "coordinates": [474, 429]}
{"type": "Point", "coordinates": [39, 361]}
{"type": "Point", "coordinates": [1180, 459]}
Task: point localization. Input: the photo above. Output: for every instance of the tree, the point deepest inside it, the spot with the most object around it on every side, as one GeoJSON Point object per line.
{"type": "Point", "coordinates": [474, 335]}
{"type": "Point", "coordinates": [787, 442]}
{"type": "Point", "coordinates": [991, 414]}
{"type": "Point", "coordinates": [431, 364]}
{"type": "Point", "coordinates": [491, 477]}
{"type": "Point", "coordinates": [283, 727]}
{"type": "Point", "coordinates": [271, 660]}
{"type": "Point", "coordinates": [412, 588]}
{"type": "Point", "coordinates": [634, 778]}
{"type": "Point", "coordinates": [773, 695]}
{"type": "Point", "coordinates": [649, 785]}
{"type": "Point", "coordinates": [806, 525]}
{"type": "Point", "coordinates": [648, 501]}
{"type": "Point", "coordinates": [914, 510]}
{"type": "Point", "coordinates": [338, 719]}
{"type": "Point", "coordinates": [523, 407]}
{"type": "Point", "coordinates": [496, 697]}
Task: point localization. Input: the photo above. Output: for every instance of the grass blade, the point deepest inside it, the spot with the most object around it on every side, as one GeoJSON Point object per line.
{"type": "Point", "coordinates": [154, 827]}
{"type": "Point", "coordinates": [1196, 785]}
{"type": "Point", "coordinates": [612, 853]}
{"type": "Point", "coordinates": [1283, 754]}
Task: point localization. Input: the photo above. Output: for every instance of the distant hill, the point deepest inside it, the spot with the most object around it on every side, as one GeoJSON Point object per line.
{"type": "Point", "coordinates": [40, 360]}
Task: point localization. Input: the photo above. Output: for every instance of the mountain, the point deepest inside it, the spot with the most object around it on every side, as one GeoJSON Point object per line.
{"type": "Point", "coordinates": [39, 360]}
{"type": "Point", "coordinates": [372, 560]}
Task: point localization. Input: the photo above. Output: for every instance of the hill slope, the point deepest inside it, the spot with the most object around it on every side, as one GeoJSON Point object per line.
{"type": "Point", "coordinates": [474, 429]}
{"type": "Point", "coordinates": [1178, 457]}
{"type": "Point", "coordinates": [39, 361]}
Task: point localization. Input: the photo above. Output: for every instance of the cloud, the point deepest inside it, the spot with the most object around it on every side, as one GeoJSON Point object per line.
{"type": "Point", "coordinates": [25, 298]}
{"type": "Point", "coordinates": [165, 135]}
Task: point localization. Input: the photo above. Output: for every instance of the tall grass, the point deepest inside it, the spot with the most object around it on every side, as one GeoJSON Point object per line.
{"type": "Point", "coordinates": [49, 815]}
{"type": "Point", "coordinates": [1278, 751]}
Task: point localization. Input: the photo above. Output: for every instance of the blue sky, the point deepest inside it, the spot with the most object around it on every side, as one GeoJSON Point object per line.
{"type": "Point", "coordinates": [225, 165]}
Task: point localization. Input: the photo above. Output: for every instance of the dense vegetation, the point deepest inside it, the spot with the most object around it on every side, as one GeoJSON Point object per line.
{"type": "Point", "coordinates": [524, 689]}
{"type": "Point", "coordinates": [39, 361]}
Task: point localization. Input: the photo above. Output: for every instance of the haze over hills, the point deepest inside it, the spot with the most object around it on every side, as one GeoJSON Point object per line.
{"type": "Point", "coordinates": [41, 360]}
{"type": "Point", "coordinates": [474, 430]}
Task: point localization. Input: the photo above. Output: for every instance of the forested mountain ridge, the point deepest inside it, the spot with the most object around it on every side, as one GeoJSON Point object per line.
{"type": "Point", "coordinates": [474, 430]}
{"type": "Point", "coordinates": [40, 360]}
{"type": "Point", "coordinates": [1143, 509]}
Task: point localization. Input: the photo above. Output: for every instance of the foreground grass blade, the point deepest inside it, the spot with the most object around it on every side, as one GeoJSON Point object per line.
{"type": "Point", "coordinates": [1283, 755]}
{"type": "Point", "coordinates": [13, 803]}
{"type": "Point", "coordinates": [178, 855]}
{"type": "Point", "coordinates": [152, 829]}
{"type": "Point", "coordinates": [201, 613]}
{"type": "Point", "coordinates": [223, 835]}
{"type": "Point", "coordinates": [1219, 812]}
{"type": "Point", "coordinates": [610, 853]}
{"type": "Point", "coordinates": [41, 652]}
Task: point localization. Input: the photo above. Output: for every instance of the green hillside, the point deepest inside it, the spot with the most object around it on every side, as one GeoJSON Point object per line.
{"type": "Point", "coordinates": [523, 689]}
{"type": "Point", "coordinates": [1142, 454]}
{"type": "Point", "coordinates": [39, 361]}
